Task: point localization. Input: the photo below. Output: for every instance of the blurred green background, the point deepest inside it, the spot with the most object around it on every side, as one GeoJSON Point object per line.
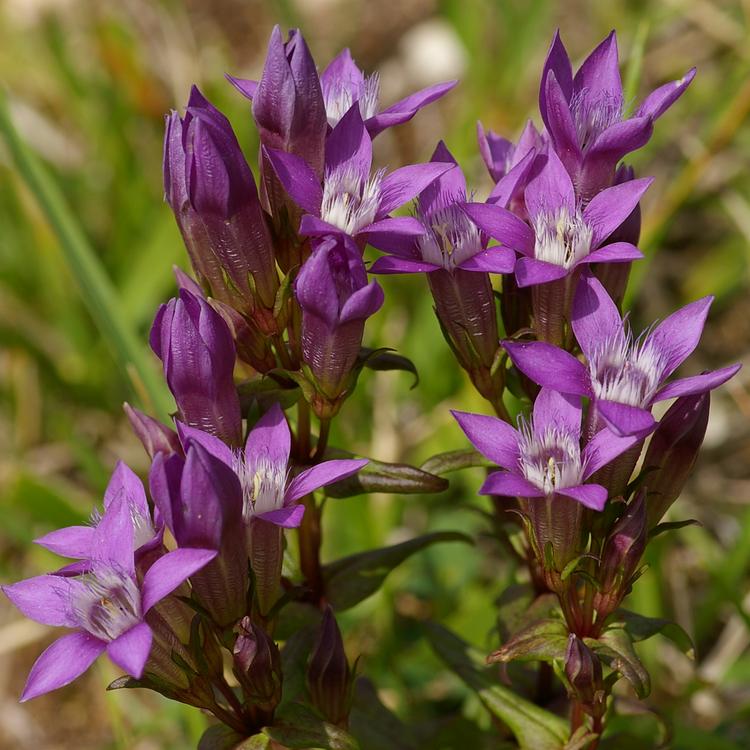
{"type": "Point", "coordinates": [87, 83]}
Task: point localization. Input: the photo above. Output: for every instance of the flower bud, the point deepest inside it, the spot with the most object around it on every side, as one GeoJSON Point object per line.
{"type": "Point", "coordinates": [584, 672]}
{"type": "Point", "coordinates": [672, 452]}
{"type": "Point", "coordinates": [257, 666]}
{"type": "Point", "coordinates": [621, 557]}
{"type": "Point", "coordinates": [329, 678]}
{"type": "Point", "coordinates": [336, 299]}
{"type": "Point", "coordinates": [212, 192]}
{"type": "Point", "coordinates": [197, 352]}
{"type": "Point", "coordinates": [251, 344]}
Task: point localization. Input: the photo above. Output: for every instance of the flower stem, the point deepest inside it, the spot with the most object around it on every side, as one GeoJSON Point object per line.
{"type": "Point", "coordinates": [303, 431]}
{"type": "Point", "coordinates": [310, 540]}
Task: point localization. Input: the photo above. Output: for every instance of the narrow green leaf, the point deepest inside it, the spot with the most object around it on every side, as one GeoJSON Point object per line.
{"type": "Point", "coordinates": [642, 628]}
{"type": "Point", "coordinates": [444, 463]}
{"type": "Point", "coordinates": [379, 476]}
{"type": "Point", "coordinates": [543, 640]}
{"type": "Point", "coordinates": [352, 579]}
{"type": "Point", "coordinates": [96, 288]}
{"type": "Point", "coordinates": [533, 727]}
{"type": "Point", "coordinates": [616, 648]}
{"type": "Point", "coordinates": [386, 360]}
{"type": "Point", "coordinates": [300, 728]}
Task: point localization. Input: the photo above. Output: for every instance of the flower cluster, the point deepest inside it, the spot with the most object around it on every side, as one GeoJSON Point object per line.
{"type": "Point", "coordinates": [197, 575]}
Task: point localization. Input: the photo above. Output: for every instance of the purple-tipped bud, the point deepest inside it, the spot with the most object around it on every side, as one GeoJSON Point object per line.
{"type": "Point", "coordinates": [621, 557]}
{"type": "Point", "coordinates": [196, 349]}
{"type": "Point", "coordinates": [212, 192]}
{"type": "Point", "coordinates": [584, 672]}
{"type": "Point", "coordinates": [336, 299]}
{"type": "Point", "coordinates": [251, 344]}
{"type": "Point", "coordinates": [257, 666]}
{"type": "Point", "coordinates": [672, 452]}
{"type": "Point", "coordinates": [155, 437]}
{"type": "Point", "coordinates": [329, 678]}
{"type": "Point", "coordinates": [200, 500]}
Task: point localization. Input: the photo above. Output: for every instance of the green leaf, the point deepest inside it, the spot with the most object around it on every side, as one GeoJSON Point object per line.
{"type": "Point", "coordinates": [641, 628]}
{"type": "Point", "coordinates": [533, 727]}
{"type": "Point", "coordinates": [300, 728]}
{"type": "Point", "coordinates": [663, 528]}
{"type": "Point", "coordinates": [444, 463]}
{"type": "Point", "coordinates": [581, 739]}
{"type": "Point", "coordinates": [265, 392]}
{"type": "Point", "coordinates": [543, 640]}
{"type": "Point", "coordinates": [352, 579]}
{"type": "Point", "coordinates": [374, 725]}
{"type": "Point", "coordinates": [220, 737]}
{"type": "Point", "coordinates": [97, 290]}
{"type": "Point", "coordinates": [615, 647]}
{"type": "Point", "coordinates": [378, 476]}
{"type": "Point", "coordinates": [386, 360]}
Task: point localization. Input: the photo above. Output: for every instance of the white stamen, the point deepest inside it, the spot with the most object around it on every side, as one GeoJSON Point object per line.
{"type": "Point", "coordinates": [340, 97]}
{"type": "Point", "coordinates": [109, 605]}
{"type": "Point", "coordinates": [349, 201]}
{"type": "Point", "coordinates": [592, 115]}
{"type": "Point", "coordinates": [550, 460]}
{"type": "Point", "coordinates": [627, 370]}
{"type": "Point", "coordinates": [450, 239]}
{"type": "Point", "coordinates": [263, 484]}
{"type": "Point", "coordinates": [561, 238]}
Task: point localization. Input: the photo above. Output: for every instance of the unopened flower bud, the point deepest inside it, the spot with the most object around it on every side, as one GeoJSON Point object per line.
{"type": "Point", "coordinates": [672, 452]}
{"type": "Point", "coordinates": [257, 666]}
{"type": "Point", "coordinates": [155, 437]}
{"type": "Point", "coordinates": [621, 556]}
{"type": "Point", "coordinates": [329, 678]}
{"type": "Point", "coordinates": [584, 672]}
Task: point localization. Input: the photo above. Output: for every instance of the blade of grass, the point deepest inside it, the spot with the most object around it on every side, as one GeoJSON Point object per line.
{"type": "Point", "coordinates": [96, 287]}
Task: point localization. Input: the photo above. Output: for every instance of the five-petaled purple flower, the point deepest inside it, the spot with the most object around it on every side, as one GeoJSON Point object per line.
{"type": "Point", "coordinates": [352, 200]}
{"type": "Point", "coordinates": [562, 236]}
{"type": "Point", "coordinates": [106, 606]}
{"type": "Point", "coordinates": [543, 457]}
{"type": "Point", "coordinates": [623, 375]}
{"type": "Point", "coordinates": [585, 114]}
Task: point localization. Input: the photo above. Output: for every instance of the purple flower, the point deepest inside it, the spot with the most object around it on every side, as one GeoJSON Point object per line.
{"type": "Point", "coordinates": [352, 200]}
{"type": "Point", "coordinates": [336, 299]}
{"type": "Point", "coordinates": [344, 84]}
{"type": "Point", "coordinates": [197, 352]}
{"type": "Point", "coordinates": [543, 457]}
{"type": "Point", "coordinates": [562, 236]}
{"type": "Point", "coordinates": [623, 375]}
{"type": "Point", "coordinates": [500, 155]}
{"type": "Point", "coordinates": [212, 192]}
{"type": "Point", "coordinates": [106, 606]}
{"type": "Point", "coordinates": [155, 437]}
{"type": "Point", "coordinates": [585, 114]}
{"type": "Point", "coordinates": [269, 499]}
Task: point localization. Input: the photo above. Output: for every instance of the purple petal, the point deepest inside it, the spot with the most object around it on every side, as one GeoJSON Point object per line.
{"type": "Point", "coordinates": [677, 335]}
{"type": "Point", "coordinates": [557, 62]}
{"type": "Point", "coordinates": [298, 179]}
{"type": "Point", "coordinates": [530, 271]}
{"type": "Point", "coordinates": [130, 651]}
{"type": "Point", "coordinates": [312, 226]}
{"type": "Point", "coordinates": [450, 186]}
{"type": "Point", "coordinates": [509, 485]}
{"type": "Point", "coordinates": [492, 260]}
{"type": "Point", "coordinates": [363, 303]}
{"type": "Point", "coordinates": [617, 252]}
{"type": "Point", "coordinates": [289, 517]}
{"type": "Point", "coordinates": [593, 496]}
{"type": "Point", "coordinates": [513, 182]}
{"type": "Point", "coordinates": [164, 480]}
{"type": "Point", "coordinates": [624, 419]}
{"type": "Point", "coordinates": [603, 448]}
{"type": "Point", "coordinates": [550, 189]}
{"type": "Point", "coordinates": [45, 599]}
{"type": "Point", "coordinates": [390, 264]}
{"type": "Point", "coordinates": [598, 78]}
{"type": "Point", "coordinates": [495, 151]}
{"type": "Point", "coordinates": [560, 125]}
{"type": "Point", "coordinates": [406, 108]}
{"type": "Point", "coordinates": [595, 316]}
{"type": "Point", "coordinates": [276, 95]}
{"type": "Point", "coordinates": [405, 226]}
{"type": "Point", "coordinates": [405, 183]}
{"type": "Point", "coordinates": [246, 87]}
{"type": "Point", "coordinates": [124, 481]}
{"type": "Point", "coordinates": [491, 436]}
{"type": "Point", "coordinates": [61, 663]}
{"type": "Point", "coordinates": [341, 70]}
{"type": "Point", "coordinates": [609, 208]}
{"type": "Point", "coordinates": [73, 541]}
{"type": "Point", "coordinates": [707, 381]}
{"type": "Point", "coordinates": [555, 409]}
{"type": "Point", "coordinates": [270, 436]}
{"type": "Point", "coordinates": [214, 445]}
{"type": "Point", "coordinates": [349, 144]}
{"type": "Point", "coordinates": [660, 100]}
{"type": "Point", "coordinates": [502, 225]}
{"type": "Point", "coordinates": [402, 245]}
{"type": "Point", "coordinates": [617, 140]}
{"type": "Point", "coordinates": [318, 476]}
{"type": "Point", "coordinates": [114, 537]}
{"type": "Point", "coordinates": [550, 366]}
{"type": "Point", "coordinates": [155, 436]}
{"type": "Point", "coordinates": [169, 571]}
